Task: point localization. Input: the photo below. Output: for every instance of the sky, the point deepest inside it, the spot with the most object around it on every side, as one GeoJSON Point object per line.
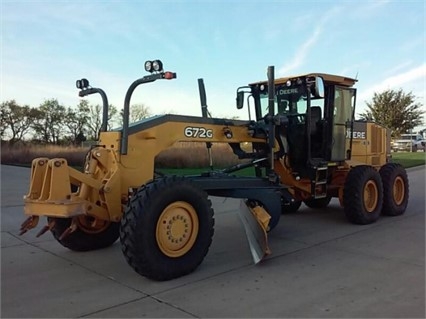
{"type": "Point", "coordinates": [47, 45]}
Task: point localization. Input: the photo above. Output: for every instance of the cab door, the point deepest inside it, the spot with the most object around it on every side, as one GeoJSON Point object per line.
{"type": "Point", "coordinates": [343, 113]}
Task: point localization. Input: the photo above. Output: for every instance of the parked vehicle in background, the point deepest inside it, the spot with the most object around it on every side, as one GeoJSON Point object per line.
{"type": "Point", "coordinates": [409, 143]}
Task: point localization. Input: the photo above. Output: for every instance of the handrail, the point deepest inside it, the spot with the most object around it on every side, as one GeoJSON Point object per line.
{"type": "Point", "coordinates": [84, 92]}
{"type": "Point", "coordinates": [126, 110]}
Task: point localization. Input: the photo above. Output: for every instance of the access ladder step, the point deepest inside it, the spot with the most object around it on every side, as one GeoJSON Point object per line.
{"type": "Point", "coordinates": [319, 184]}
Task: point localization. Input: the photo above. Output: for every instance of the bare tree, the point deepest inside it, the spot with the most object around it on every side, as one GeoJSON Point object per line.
{"type": "Point", "coordinates": [49, 126]}
{"type": "Point", "coordinates": [76, 122]}
{"type": "Point", "coordinates": [16, 120]}
{"type": "Point", "coordinates": [139, 112]}
{"type": "Point", "coordinates": [95, 119]}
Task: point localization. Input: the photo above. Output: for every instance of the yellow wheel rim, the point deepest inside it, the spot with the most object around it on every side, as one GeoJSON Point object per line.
{"type": "Point", "coordinates": [398, 191]}
{"type": "Point", "coordinates": [177, 229]}
{"type": "Point", "coordinates": [371, 195]}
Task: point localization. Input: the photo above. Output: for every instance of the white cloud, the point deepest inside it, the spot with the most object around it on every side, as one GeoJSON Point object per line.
{"type": "Point", "coordinates": [367, 9]}
{"type": "Point", "coordinates": [378, 4]}
{"type": "Point", "coordinates": [416, 43]}
{"type": "Point", "coordinates": [353, 69]}
{"type": "Point", "coordinates": [399, 67]}
{"type": "Point", "coordinates": [417, 74]}
{"type": "Point", "coordinates": [302, 52]}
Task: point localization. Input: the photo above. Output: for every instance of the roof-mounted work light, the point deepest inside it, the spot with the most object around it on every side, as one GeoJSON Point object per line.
{"type": "Point", "coordinates": [148, 66]}
{"type": "Point", "coordinates": [157, 65]}
{"type": "Point", "coordinates": [82, 84]}
{"type": "Point", "coordinates": [154, 66]}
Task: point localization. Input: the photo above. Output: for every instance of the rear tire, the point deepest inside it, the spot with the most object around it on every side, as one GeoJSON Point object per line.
{"type": "Point", "coordinates": [167, 228]}
{"type": "Point", "coordinates": [290, 207]}
{"type": "Point", "coordinates": [395, 189]}
{"type": "Point", "coordinates": [363, 195]}
{"type": "Point", "coordinates": [85, 237]}
{"type": "Point", "coordinates": [318, 203]}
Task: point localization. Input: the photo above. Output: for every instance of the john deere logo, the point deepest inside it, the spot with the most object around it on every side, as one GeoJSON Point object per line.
{"type": "Point", "coordinates": [355, 135]}
{"type": "Point", "coordinates": [287, 91]}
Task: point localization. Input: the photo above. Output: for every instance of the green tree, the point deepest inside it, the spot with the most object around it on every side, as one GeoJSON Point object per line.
{"type": "Point", "coordinates": [49, 126]}
{"type": "Point", "coordinates": [16, 120]}
{"type": "Point", "coordinates": [396, 110]}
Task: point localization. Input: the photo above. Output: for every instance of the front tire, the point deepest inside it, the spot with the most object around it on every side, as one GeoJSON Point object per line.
{"type": "Point", "coordinates": [395, 189]}
{"type": "Point", "coordinates": [86, 237]}
{"type": "Point", "coordinates": [363, 195]}
{"type": "Point", "coordinates": [167, 228]}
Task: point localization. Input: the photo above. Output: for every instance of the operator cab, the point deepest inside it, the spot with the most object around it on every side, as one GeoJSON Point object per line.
{"type": "Point", "coordinates": [313, 112]}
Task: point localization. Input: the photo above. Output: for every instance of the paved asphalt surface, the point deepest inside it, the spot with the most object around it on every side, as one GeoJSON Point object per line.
{"type": "Point", "coordinates": [321, 266]}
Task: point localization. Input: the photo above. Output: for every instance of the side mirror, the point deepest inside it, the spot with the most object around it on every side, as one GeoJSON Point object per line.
{"type": "Point", "coordinates": [240, 100]}
{"type": "Point", "coordinates": [319, 87]}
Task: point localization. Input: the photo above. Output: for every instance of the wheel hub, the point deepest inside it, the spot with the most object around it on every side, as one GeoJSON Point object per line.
{"type": "Point", "coordinates": [91, 225]}
{"type": "Point", "coordinates": [398, 190]}
{"type": "Point", "coordinates": [177, 229]}
{"type": "Point", "coordinates": [370, 196]}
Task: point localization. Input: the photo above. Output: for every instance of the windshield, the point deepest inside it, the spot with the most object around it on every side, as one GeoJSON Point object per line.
{"type": "Point", "coordinates": [288, 100]}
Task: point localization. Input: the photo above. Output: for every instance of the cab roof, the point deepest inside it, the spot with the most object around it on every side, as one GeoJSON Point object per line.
{"type": "Point", "coordinates": [327, 78]}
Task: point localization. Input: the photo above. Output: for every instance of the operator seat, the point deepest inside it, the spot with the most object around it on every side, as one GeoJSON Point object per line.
{"type": "Point", "coordinates": [315, 119]}
{"type": "Point", "coordinates": [316, 131]}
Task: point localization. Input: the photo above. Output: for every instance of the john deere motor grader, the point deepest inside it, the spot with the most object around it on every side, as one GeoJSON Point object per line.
{"type": "Point", "coordinates": [306, 147]}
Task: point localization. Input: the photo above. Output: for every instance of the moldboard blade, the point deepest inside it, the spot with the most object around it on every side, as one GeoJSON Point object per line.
{"type": "Point", "coordinates": [255, 221]}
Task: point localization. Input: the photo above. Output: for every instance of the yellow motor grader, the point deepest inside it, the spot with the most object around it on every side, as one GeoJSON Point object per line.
{"type": "Point", "coordinates": [305, 147]}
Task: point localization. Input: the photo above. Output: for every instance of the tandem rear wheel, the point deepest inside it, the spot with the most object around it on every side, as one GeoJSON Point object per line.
{"type": "Point", "coordinates": [369, 193]}
{"type": "Point", "coordinates": [290, 207]}
{"type": "Point", "coordinates": [318, 203]}
{"type": "Point", "coordinates": [395, 189]}
{"type": "Point", "coordinates": [363, 195]}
